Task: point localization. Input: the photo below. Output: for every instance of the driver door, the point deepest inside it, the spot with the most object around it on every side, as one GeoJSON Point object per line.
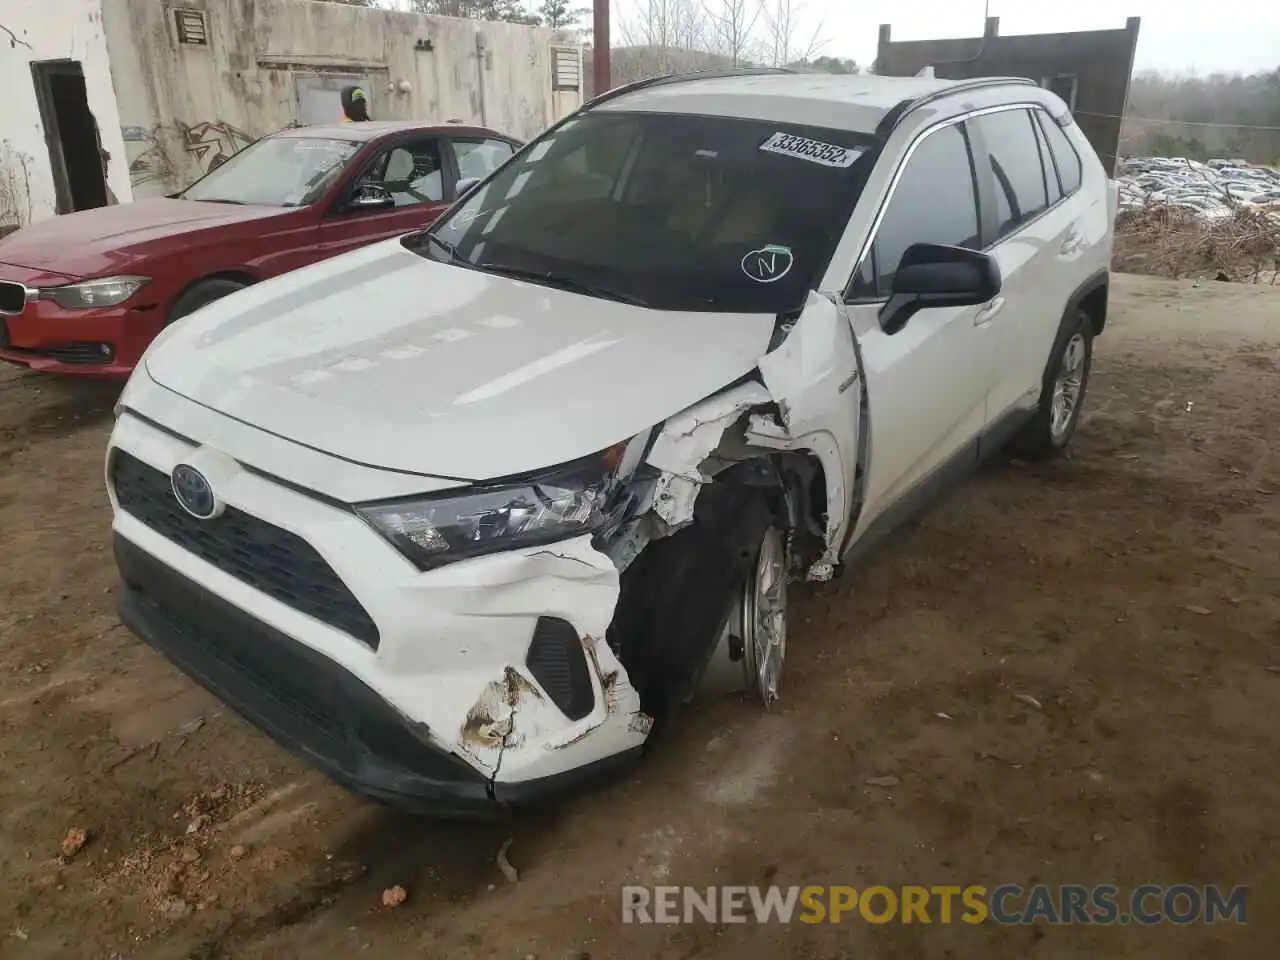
{"type": "Point", "coordinates": [403, 188]}
{"type": "Point", "coordinates": [928, 382]}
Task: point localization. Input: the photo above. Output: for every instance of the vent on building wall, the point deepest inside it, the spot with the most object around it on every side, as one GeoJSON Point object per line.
{"type": "Point", "coordinates": [567, 68]}
{"type": "Point", "coordinates": [192, 27]}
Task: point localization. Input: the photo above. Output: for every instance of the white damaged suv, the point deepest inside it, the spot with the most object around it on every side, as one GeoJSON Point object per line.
{"type": "Point", "coordinates": [458, 516]}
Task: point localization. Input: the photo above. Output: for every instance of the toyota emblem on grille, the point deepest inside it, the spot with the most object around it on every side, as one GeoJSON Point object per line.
{"type": "Point", "coordinates": [193, 492]}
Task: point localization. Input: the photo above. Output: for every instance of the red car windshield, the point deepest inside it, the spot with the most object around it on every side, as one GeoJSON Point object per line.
{"type": "Point", "coordinates": [276, 172]}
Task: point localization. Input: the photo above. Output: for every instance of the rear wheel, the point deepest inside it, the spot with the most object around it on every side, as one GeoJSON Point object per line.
{"type": "Point", "coordinates": [203, 293]}
{"type": "Point", "coordinates": [1062, 392]}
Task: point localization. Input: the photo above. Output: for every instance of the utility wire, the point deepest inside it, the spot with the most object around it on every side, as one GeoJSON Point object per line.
{"type": "Point", "coordinates": [1177, 123]}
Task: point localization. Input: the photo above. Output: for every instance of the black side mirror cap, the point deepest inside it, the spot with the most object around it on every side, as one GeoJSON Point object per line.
{"type": "Point", "coordinates": [934, 275]}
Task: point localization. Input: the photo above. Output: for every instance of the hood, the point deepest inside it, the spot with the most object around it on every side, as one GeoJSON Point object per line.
{"type": "Point", "coordinates": [92, 242]}
{"type": "Point", "coordinates": [390, 360]}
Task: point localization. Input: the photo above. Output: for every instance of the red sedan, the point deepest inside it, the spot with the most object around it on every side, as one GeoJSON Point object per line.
{"type": "Point", "coordinates": [84, 294]}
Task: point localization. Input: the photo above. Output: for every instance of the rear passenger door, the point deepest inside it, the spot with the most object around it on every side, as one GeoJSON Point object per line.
{"type": "Point", "coordinates": [926, 383]}
{"type": "Point", "coordinates": [1031, 231]}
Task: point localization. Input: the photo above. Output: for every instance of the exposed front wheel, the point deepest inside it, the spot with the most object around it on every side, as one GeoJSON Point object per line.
{"type": "Point", "coordinates": [753, 645]}
{"type": "Point", "coordinates": [763, 617]}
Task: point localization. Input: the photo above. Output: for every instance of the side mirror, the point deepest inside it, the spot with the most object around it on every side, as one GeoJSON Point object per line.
{"type": "Point", "coordinates": [931, 275]}
{"type": "Point", "coordinates": [371, 197]}
{"type": "Point", "coordinates": [466, 185]}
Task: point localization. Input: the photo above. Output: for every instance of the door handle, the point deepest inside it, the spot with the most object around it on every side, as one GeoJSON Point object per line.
{"type": "Point", "coordinates": [1073, 242]}
{"type": "Point", "coordinates": [988, 312]}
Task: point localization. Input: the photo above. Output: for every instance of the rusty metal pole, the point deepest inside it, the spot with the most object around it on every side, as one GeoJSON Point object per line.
{"type": "Point", "coordinates": [600, 45]}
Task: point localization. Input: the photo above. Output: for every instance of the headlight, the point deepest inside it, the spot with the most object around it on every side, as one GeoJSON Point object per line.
{"type": "Point", "coordinates": [564, 502]}
{"type": "Point", "coordinates": [106, 292]}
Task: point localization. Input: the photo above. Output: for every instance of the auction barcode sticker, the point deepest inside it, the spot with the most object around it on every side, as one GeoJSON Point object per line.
{"type": "Point", "coordinates": [815, 151]}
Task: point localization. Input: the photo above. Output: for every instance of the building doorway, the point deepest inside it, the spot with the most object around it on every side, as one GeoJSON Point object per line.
{"type": "Point", "coordinates": [320, 96]}
{"type": "Point", "coordinates": [71, 132]}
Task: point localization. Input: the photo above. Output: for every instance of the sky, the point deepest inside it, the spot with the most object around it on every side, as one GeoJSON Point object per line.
{"type": "Point", "coordinates": [1176, 36]}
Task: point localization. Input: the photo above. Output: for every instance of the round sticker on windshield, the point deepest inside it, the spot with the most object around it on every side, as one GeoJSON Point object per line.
{"type": "Point", "coordinates": [769, 264]}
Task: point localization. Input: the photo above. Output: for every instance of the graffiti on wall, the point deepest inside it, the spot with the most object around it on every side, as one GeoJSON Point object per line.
{"type": "Point", "coordinates": [148, 160]}
{"type": "Point", "coordinates": [212, 144]}
{"type": "Point", "coordinates": [15, 188]}
{"type": "Point", "coordinates": [166, 151]}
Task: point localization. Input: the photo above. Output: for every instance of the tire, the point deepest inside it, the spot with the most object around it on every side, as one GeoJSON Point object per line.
{"type": "Point", "coordinates": [202, 294]}
{"type": "Point", "coordinates": [1062, 392]}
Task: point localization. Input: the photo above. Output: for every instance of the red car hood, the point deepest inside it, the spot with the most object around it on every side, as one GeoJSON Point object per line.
{"type": "Point", "coordinates": [92, 242]}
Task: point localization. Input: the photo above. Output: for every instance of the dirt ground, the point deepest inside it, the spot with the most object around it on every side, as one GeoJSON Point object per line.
{"type": "Point", "coordinates": [1132, 590]}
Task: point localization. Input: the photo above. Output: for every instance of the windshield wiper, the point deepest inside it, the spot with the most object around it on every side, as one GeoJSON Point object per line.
{"type": "Point", "coordinates": [571, 284]}
{"type": "Point", "coordinates": [238, 203]}
{"type": "Point", "coordinates": [450, 250]}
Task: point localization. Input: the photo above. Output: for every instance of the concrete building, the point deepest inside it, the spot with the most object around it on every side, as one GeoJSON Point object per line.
{"type": "Point", "coordinates": [1090, 70]}
{"type": "Point", "coordinates": [59, 126]}
{"type": "Point", "coordinates": [174, 87]}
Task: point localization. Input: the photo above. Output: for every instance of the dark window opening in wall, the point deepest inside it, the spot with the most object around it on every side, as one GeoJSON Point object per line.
{"type": "Point", "coordinates": [191, 27]}
{"type": "Point", "coordinates": [1064, 85]}
{"type": "Point", "coordinates": [71, 133]}
{"type": "Point", "coordinates": [566, 68]}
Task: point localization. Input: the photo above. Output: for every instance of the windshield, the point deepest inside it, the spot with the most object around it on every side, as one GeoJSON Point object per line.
{"type": "Point", "coordinates": [670, 211]}
{"type": "Point", "coordinates": [276, 172]}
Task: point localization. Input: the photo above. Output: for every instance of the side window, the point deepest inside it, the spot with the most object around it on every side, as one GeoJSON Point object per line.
{"type": "Point", "coordinates": [411, 172]}
{"type": "Point", "coordinates": [935, 201]}
{"type": "Point", "coordinates": [1063, 152]}
{"type": "Point", "coordinates": [479, 158]}
{"type": "Point", "coordinates": [1046, 158]}
{"type": "Point", "coordinates": [1013, 157]}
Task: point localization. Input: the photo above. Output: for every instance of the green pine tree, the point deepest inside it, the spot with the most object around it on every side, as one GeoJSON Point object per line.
{"type": "Point", "coordinates": [561, 14]}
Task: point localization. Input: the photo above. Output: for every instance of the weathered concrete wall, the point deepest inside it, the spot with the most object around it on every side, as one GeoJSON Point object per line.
{"type": "Point", "coordinates": [1100, 63]}
{"type": "Point", "coordinates": [32, 31]}
{"type": "Point", "coordinates": [184, 107]}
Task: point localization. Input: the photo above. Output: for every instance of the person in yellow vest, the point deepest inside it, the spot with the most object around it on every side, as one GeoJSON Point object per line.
{"type": "Point", "coordinates": [355, 105]}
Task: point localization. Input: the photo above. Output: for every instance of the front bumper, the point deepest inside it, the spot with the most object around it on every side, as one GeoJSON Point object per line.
{"type": "Point", "coordinates": [315, 708]}
{"type": "Point", "coordinates": [445, 706]}
{"type": "Point", "coordinates": [105, 343]}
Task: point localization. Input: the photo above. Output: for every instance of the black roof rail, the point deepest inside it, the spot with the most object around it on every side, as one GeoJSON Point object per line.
{"type": "Point", "coordinates": [895, 116]}
{"type": "Point", "coordinates": [716, 74]}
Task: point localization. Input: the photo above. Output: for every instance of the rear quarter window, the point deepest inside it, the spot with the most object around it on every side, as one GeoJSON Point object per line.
{"type": "Point", "coordinates": [1064, 153]}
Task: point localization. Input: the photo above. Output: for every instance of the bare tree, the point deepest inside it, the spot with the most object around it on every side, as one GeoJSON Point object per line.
{"type": "Point", "coordinates": [733, 27]}
{"type": "Point", "coordinates": [784, 42]}
{"type": "Point", "coordinates": [666, 24]}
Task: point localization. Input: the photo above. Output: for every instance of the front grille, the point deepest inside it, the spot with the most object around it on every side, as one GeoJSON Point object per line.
{"type": "Point", "coordinates": [293, 692]}
{"type": "Point", "coordinates": [69, 353]}
{"type": "Point", "coordinates": [267, 558]}
{"type": "Point", "coordinates": [13, 297]}
{"type": "Point", "coordinates": [81, 353]}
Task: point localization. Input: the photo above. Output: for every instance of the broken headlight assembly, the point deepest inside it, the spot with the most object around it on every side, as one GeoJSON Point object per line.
{"type": "Point", "coordinates": [553, 505]}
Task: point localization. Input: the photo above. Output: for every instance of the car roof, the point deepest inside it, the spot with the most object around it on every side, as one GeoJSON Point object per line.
{"type": "Point", "coordinates": [857, 102]}
{"type": "Point", "coordinates": [367, 130]}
